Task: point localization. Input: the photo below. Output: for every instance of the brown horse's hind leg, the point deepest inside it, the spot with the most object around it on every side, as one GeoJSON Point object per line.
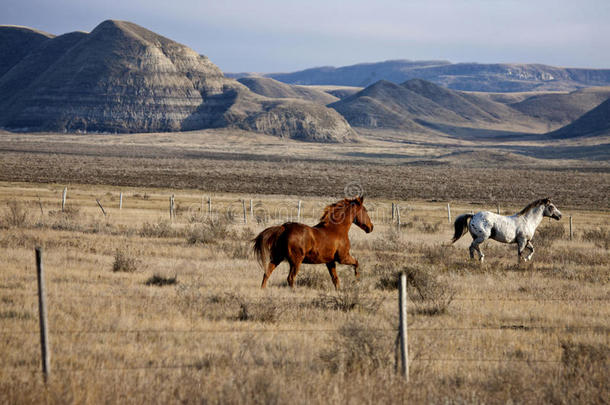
{"type": "Point", "coordinates": [270, 267]}
{"type": "Point", "coordinates": [332, 269]}
{"type": "Point", "coordinates": [294, 269]}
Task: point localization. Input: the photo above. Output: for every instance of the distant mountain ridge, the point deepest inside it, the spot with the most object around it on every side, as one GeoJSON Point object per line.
{"type": "Point", "coordinates": [124, 78]}
{"type": "Point", "coordinates": [421, 106]}
{"type": "Point", "coordinates": [499, 77]}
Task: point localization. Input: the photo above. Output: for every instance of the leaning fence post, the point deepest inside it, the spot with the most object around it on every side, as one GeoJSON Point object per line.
{"type": "Point", "coordinates": [571, 228]}
{"type": "Point", "coordinates": [63, 199]}
{"type": "Point", "coordinates": [42, 311]}
{"type": "Point", "coordinates": [402, 306]}
{"type": "Point", "coordinates": [448, 213]}
{"type": "Point", "coordinates": [40, 205]}
{"type": "Point", "coordinates": [100, 205]}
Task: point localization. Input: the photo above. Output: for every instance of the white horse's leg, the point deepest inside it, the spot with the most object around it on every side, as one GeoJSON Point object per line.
{"type": "Point", "coordinates": [521, 243]}
{"type": "Point", "coordinates": [475, 246]}
{"type": "Point", "coordinates": [531, 247]}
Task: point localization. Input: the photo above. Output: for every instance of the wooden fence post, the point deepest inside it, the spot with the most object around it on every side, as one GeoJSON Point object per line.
{"type": "Point", "coordinates": [42, 311]}
{"type": "Point", "coordinates": [571, 235]}
{"type": "Point", "coordinates": [121, 201]}
{"type": "Point", "coordinates": [498, 209]}
{"type": "Point", "coordinates": [63, 199]}
{"type": "Point", "coordinates": [243, 205]}
{"type": "Point", "coordinates": [210, 205]}
{"type": "Point", "coordinates": [404, 346]}
{"type": "Point", "coordinates": [448, 212]}
{"type": "Point", "coordinates": [172, 214]}
{"type": "Point", "coordinates": [299, 211]}
{"type": "Point", "coordinates": [393, 212]}
{"type": "Point", "coordinates": [251, 210]}
{"type": "Point", "coordinates": [398, 216]}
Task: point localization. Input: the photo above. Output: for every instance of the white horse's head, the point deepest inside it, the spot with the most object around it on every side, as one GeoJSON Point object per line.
{"type": "Point", "coordinates": [551, 211]}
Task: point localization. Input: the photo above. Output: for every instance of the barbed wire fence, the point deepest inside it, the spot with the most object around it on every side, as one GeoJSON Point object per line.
{"type": "Point", "coordinates": [401, 339]}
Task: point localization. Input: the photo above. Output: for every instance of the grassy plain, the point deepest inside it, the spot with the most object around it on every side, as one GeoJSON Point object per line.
{"type": "Point", "coordinates": [147, 310]}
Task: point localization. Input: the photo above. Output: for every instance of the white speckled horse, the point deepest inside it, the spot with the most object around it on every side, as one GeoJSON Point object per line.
{"type": "Point", "coordinates": [518, 228]}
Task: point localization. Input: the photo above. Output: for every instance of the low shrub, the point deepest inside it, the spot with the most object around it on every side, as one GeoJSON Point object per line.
{"type": "Point", "coordinates": [358, 349]}
{"type": "Point", "coordinates": [347, 299]}
{"type": "Point", "coordinates": [264, 310]}
{"type": "Point", "coordinates": [16, 215]}
{"type": "Point", "coordinates": [160, 280]}
{"type": "Point", "coordinates": [430, 294]}
{"type": "Point", "coordinates": [124, 261]}
{"type": "Point", "coordinates": [600, 237]}
{"type": "Point", "coordinates": [548, 233]}
{"type": "Point", "coordinates": [210, 231]}
{"type": "Point", "coordinates": [162, 229]}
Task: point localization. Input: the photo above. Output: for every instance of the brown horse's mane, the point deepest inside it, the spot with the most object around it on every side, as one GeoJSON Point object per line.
{"type": "Point", "coordinates": [534, 204]}
{"type": "Point", "coordinates": [328, 214]}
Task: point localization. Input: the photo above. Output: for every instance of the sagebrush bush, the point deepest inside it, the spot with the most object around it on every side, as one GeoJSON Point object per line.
{"type": "Point", "coordinates": [548, 233]}
{"type": "Point", "coordinates": [430, 294]}
{"type": "Point", "coordinates": [162, 229]}
{"type": "Point", "coordinates": [358, 349]}
{"type": "Point", "coordinates": [349, 298]}
{"type": "Point", "coordinates": [211, 231]}
{"type": "Point", "coordinates": [161, 280]}
{"type": "Point", "coordinates": [600, 237]}
{"type": "Point", "coordinates": [584, 373]}
{"type": "Point", "coordinates": [311, 278]}
{"type": "Point", "coordinates": [15, 215]}
{"type": "Point", "coordinates": [264, 310]}
{"type": "Point", "coordinates": [124, 261]}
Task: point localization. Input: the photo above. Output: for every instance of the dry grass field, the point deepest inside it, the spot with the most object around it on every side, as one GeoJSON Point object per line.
{"type": "Point", "coordinates": [147, 310]}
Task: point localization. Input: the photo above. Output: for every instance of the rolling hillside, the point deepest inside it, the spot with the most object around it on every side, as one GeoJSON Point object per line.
{"type": "Point", "coordinates": [272, 88]}
{"type": "Point", "coordinates": [417, 105]}
{"type": "Point", "coordinates": [124, 78]}
{"type": "Point", "coordinates": [594, 123]}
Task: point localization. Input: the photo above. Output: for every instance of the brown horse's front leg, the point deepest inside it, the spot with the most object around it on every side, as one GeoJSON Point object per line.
{"type": "Point", "coordinates": [350, 260]}
{"type": "Point", "coordinates": [332, 269]}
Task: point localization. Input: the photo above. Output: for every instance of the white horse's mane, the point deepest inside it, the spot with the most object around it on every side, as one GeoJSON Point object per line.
{"type": "Point", "coordinates": [534, 204]}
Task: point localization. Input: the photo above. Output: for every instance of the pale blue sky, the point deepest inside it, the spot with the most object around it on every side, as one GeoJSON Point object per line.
{"type": "Point", "coordinates": [288, 35]}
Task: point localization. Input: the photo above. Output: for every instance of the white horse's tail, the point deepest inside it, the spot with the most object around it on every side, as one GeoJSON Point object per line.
{"type": "Point", "coordinates": [461, 225]}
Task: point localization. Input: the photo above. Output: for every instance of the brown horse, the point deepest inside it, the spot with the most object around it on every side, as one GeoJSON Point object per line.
{"type": "Point", "coordinates": [326, 242]}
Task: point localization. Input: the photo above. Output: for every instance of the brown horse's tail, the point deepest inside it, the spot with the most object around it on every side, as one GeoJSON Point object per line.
{"type": "Point", "coordinates": [461, 225]}
{"type": "Point", "coordinates": [264, 243]}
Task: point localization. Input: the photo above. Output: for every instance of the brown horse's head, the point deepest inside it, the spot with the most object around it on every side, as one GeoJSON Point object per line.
{"type": "Point", "coordinates": [361, 217]}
